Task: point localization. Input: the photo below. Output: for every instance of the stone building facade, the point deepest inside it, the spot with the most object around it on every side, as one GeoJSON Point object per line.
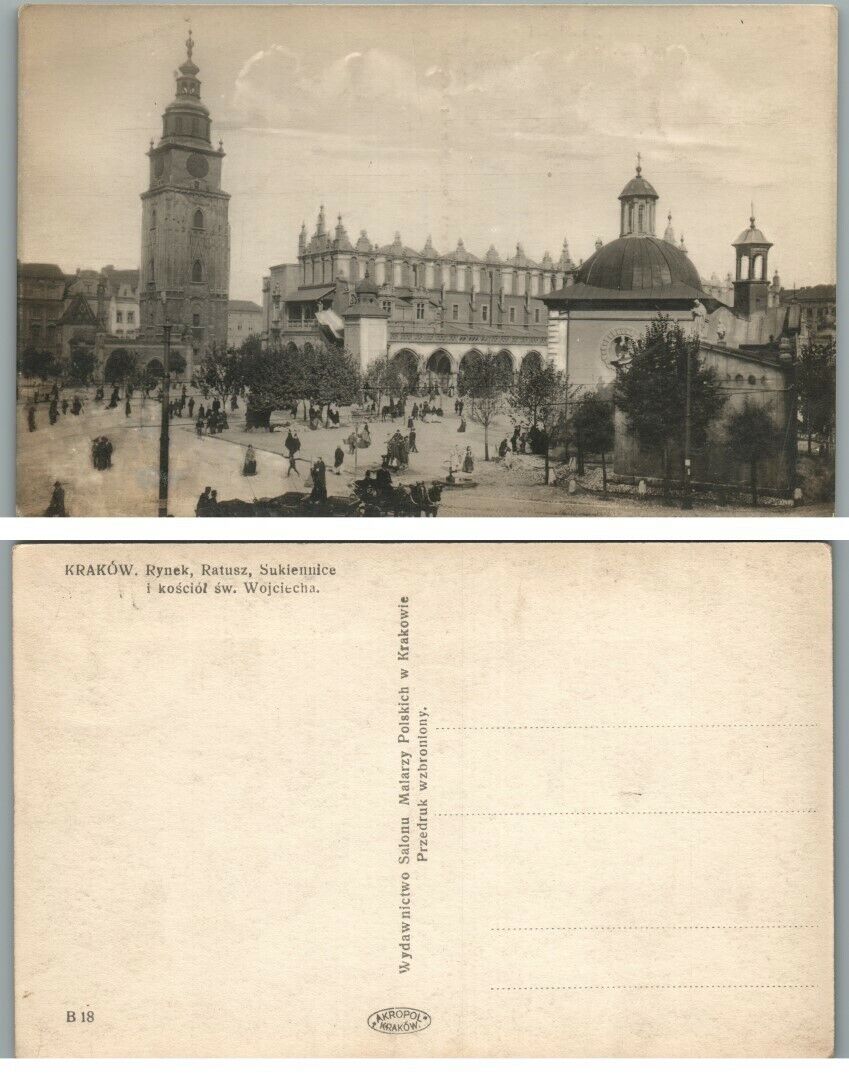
{"type": "Point", "coordinates": [41, 300]}
{"type": "Point", "coordinates": [244, 320]}
{"type": "Point", "coordinates": [434, 307]}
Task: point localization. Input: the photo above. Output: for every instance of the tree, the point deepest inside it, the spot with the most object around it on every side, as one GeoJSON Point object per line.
{"type": "Point", "coordinates": [539, 396]}
{"type": "Point", "coordinates": [82, 365]}
{"type": "Point", "coordinates": [593, 422]}
{"type": "Point", "coordinates": [484, 383]}
{"type": "Point", "coordinates": [120, 366]}
{"type": "Point", "coordinates": [651, 390]}
{"type": "Point", "coordinates": [397, 375]}
{"type": "Point", "coordinates": [751, 436]}
{"type": "Point", "coordinates": [276, 377]}
{"type": "Point", "coordinates": [221, 372]}
{"type": "Point", "coordinates": [327, 374]}
{"type": "Point", "coordinates": [816, 386]}
{"type": "Point", "coordinates": [38, 364]}
{"type": "Point", "coordinates": [176, 362]}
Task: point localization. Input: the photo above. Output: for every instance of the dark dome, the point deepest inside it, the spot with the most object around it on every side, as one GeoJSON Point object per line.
{"type": "Point", "coordinates": [367, 287]}
{"type": "Point", "coordinates": [638, 262]}
{"type": "Point", "coordinates": [638, 186]}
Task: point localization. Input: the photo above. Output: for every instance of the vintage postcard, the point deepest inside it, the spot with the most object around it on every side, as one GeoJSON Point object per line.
{"type": "Point", "coordinates": [414, 800]}
{"type": "Point", "coordinates": [469, 260]}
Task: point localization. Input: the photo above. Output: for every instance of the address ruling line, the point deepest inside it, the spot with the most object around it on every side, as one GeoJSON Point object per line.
{"type": "Point", "coordinates": [670, 986]}
{"type": "Point", "coordinates": [614, 727]}
{"type": "Point", "coordinates": [706, 926]}
{"type": "Point", "coordinates": [612, 813]}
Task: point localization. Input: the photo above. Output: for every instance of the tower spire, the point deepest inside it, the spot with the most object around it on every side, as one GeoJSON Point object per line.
{"type": "Point", "coordinates": [639, 164]}
{"type": "Point", "coordinates": [189, 44]}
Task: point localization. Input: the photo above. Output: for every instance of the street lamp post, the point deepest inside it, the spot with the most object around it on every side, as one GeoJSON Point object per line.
{"type": "Point", "coordinates": [163, 430]}
{"type": "Point", "coordinates": [687, 500]}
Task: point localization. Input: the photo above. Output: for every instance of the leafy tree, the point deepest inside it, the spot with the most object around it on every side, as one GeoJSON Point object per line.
{"type": "Point", "coordinates": [176, 362]}
{"type": "Point", "coordinates": [276, 377]}
{"type": "Point", "coordinates": [38, 364]}
{"type": "Point", "coordinates": [651, 391]}
{"type": "Point", "coordinates": [82, 365]}
{"type": "Point", "coordinates": [751, 436]}
{"type": "Point", "coordinates": [120, 366]}
{"type": "Point", "coordinates": [816, 386]}
{"type": "Point", "coordinates": [327, 374]}
{"type": "Point", "coordinates": [397, 376]}
{"type": "Point", "coordinates": [484, 382]}
{"type": "Point", "coordinates": [221, 372]}
{"type": "Point", "coordinates": [593, 423]}
{"type": "Point", "coordinates": [539, 396]}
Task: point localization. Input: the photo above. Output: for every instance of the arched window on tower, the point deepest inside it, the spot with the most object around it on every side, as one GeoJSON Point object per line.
{"type": "Point", "coordinates": [197, 271]}
{"type": "Point", "coordinates": [639, 219]}
{"type": "Point", "coordinates": [153, 218]}
{"type": "Point", "coordinates": [197, 220]}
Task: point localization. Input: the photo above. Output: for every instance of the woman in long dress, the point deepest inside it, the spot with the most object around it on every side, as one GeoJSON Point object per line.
{"type": "Point", "coordinates": [249, 468]}
{"type": "Point", "coordinates": [468, 461]}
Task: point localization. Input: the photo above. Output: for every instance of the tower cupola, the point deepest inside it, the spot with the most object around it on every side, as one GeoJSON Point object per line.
{"type": "Point", "coordinates": [751, 284]}
{"type": "Point", "coordinates": [638, 200]}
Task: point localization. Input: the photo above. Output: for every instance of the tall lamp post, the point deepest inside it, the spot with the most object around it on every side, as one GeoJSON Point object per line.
{"type": "Point", "coordinates": [163, 430]}
{"type": "Point", "coordinates": [687, 497]}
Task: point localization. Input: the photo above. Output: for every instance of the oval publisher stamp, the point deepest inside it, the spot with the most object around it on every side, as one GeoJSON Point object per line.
{"type": "Point", "coordinates": [399, 1021]}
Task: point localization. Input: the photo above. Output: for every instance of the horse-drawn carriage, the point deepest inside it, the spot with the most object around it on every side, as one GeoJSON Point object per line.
{"type": "Point", "coordinates": [256, 418]}
{"type": "Point", "coordinates": [290, 504]}
{"type": "Point", "coordinates": [372, 496]}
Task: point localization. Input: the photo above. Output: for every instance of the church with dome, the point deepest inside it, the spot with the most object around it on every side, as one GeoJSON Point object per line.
{"type": "Point", "coordinates": [745, 334]}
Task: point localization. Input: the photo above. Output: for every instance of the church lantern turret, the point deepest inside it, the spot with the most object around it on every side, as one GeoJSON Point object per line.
{"type": "Point", "coordinates": [637, 202]}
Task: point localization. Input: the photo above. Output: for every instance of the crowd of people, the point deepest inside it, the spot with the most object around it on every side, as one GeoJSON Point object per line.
{"type": "Point", "coordinates": [210, 416]}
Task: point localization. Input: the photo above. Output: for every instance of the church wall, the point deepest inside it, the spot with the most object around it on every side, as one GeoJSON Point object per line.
{"type": "Point", "coordinates": [586, 346]}
{"type": "Point", "coordinates": [743, 378]}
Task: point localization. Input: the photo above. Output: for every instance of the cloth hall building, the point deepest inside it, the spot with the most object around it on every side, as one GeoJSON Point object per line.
{"type": "Point", "coordinates": [433, 308]}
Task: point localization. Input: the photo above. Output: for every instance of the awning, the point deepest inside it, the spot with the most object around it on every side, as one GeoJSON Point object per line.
{"type": "Point", "coordinates": [309, 292]}
{"type": "Point", "coordinates": [330, 324]}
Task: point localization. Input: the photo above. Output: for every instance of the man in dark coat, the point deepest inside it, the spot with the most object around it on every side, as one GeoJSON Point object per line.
{"type": "Point", "coordinates": [56, 508]}
{"type": "Point", "coordinates": [319, 481]}
{"type": "Point", "coordinates": [338, 458]}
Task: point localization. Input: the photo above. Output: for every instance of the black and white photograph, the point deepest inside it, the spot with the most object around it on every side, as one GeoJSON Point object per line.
{"type": "Point", "coordinates": [420, 261]}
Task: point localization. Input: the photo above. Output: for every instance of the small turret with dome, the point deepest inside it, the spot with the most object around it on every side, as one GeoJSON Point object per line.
{"type": "Point", "coordinates": [638, 200]}
{"type": "Point", "coordinates": [751, 284]}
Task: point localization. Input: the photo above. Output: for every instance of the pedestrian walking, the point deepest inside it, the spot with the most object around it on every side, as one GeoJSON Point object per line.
{"type": "Point", "coordinates": [56, 506]}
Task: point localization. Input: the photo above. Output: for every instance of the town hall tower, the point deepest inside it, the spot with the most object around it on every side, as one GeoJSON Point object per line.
{"type": "Point", "coordinates": [185, 249]}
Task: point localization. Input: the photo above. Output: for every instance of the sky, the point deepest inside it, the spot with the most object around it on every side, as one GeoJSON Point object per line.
{"type": "Point", "coordinates": [494, 125]}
